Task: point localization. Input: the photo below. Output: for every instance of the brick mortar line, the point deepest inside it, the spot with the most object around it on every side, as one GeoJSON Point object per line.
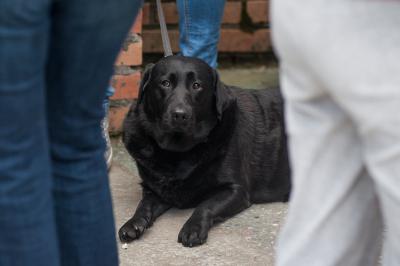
{"type": "Point", "coordinates": [120, 103]}
{"type": "Point", "coordinates": [126, 70]}
{"type": "Point", "coordinates": [131, 38]}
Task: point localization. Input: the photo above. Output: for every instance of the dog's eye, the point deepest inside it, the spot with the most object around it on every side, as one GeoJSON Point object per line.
{"type": "Point", "coordinates": [166, 83]}
{"type": "Point", "coordinates": [196, 85]}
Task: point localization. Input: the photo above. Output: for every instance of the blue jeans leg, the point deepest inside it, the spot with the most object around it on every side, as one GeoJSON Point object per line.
{"type": "Point", "coordinates": [54, 198]}
{"type": "Point", "coordinates": [27, 225]}
{"type": "Point", "coordinates": [85, 39]}
{"type": "Point", "coordinates": [199, 27]}
{"type": "Point", "coordinates": [106, 103]}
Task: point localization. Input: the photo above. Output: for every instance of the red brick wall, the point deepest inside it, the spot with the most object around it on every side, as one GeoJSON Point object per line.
{"type": "Point", "coordinates": [245, 26]}
{"type": "Point", "coordinates": [127, 76]}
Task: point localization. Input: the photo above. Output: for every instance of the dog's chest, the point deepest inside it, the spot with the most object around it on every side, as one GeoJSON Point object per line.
{"type": "Point", "coordinates": [179, 185]}
{"type": "Point", "coordinates": [174, 192]}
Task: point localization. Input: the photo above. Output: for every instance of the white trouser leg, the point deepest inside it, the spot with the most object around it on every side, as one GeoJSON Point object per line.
{"type": "Point", "coordinates": [334, 214]}
{"type": "Point", "coordinates": [376, 112]}
{"type": "Point", "coordinates": [341, 82]}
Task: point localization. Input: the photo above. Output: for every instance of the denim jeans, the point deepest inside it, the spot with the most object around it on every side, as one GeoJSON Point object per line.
{"type": "Point", "coordinates": [56, 60]}
{"type": "Point", "coordinates": [106, 102]}
{"type": "Point", "coordinates": [199, 27]}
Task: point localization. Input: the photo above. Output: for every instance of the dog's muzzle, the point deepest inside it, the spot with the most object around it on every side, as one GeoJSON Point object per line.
{"type": "Point", "coordinates": [180, 118]}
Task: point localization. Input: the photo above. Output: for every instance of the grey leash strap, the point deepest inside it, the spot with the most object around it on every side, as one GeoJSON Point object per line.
{"type": "Point", "coordinates": [164, 33]}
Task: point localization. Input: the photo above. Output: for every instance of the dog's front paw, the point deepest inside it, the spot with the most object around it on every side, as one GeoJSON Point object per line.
{"type": "Point", "coordinates": [193, 233]}
{"type": "Point", "coordinates": [132, 229]}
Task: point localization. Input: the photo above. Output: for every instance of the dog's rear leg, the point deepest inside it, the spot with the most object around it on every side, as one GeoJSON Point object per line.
{"type": "Point", "coordinates": [223, 204]}
{"type": "Point", "coordinates": [149, 208]}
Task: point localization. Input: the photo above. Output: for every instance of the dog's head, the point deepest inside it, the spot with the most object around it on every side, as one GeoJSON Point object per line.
{"type": "Point", "coordinates": [183, 100]}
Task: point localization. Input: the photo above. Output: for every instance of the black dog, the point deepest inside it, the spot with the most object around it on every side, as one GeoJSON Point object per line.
{"type": "Point", "coordinates": [199, 143]}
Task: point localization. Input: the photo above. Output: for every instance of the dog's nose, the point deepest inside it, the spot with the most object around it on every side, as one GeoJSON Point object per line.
{"type": "Point", "coordinates": [180, 116]}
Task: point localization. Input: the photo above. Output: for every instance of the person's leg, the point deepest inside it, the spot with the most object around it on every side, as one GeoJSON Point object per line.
{"type": "Point", "coordinates": [86, 37]}
{"type": "Point", "coordinates": [365, 88]}
{"type": "Point", "coordinates": [199, 28]}
{"type": "Point", "coordinates": [372, 97]}
{"type": "Point", "coordinates": [105, 125]}
{"type": "Point", "coordinates": [27, 227]}
{"type": "Point", "coordinates": [376, 112]}
{"type": "Point", "coordinates": [109, 92]}
{"type": "Point", "coordinates": [334, 216]}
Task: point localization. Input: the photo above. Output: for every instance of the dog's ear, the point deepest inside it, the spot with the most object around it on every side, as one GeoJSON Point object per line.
{"type": "Point", "coordinates": [223, 98]}
{"type": "Point", "coordinates": [143, 84]}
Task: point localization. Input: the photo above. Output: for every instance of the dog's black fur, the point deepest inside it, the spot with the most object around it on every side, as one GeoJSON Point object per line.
{"type": "Point", "coordinates": [199, 143]}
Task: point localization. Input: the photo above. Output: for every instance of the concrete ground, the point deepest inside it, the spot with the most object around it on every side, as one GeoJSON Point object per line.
{"type": "Point", "coordinates": [246, 239]}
